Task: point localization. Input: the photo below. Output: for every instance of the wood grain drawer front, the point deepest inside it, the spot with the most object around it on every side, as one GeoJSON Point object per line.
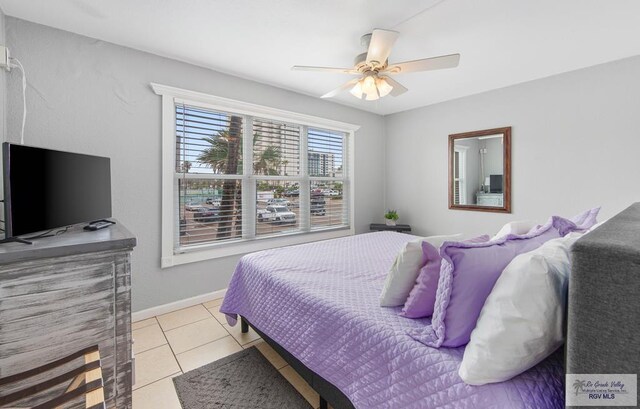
{"type": "Point", "coordinates": [49, 310]}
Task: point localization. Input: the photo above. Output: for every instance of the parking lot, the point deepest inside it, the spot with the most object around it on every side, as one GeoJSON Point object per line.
{"type": "Point", "coordinates": [194, 232]}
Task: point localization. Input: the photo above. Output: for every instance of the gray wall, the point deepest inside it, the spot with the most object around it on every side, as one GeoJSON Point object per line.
{"type": "Point", "coordinates": [89, 96]}
{"type": "Point", "coordinates": [493, 159]}
{"type": "Point", "coordinates": [575, 144]}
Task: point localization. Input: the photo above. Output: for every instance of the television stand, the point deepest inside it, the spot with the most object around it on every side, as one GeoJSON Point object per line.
{"type": "Point", "coordinates": [91, 305]}
{"type": "Point", "coordinates": [15, 240]}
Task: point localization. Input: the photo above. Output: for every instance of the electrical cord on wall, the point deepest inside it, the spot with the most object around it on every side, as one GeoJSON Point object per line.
{"type": "Point", "coordinates": [14, 62]}
{"type": "Point", "coordinates": [49, 233]}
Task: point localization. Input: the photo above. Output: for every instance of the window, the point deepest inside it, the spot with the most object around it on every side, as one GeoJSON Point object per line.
{"type": "Point", "coordinates": [459, 175]}
{"type": "Point", "coordinates": [239, 177]}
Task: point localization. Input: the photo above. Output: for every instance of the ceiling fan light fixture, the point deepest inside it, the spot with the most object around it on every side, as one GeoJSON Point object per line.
{"type": "Point", "coordinates": [356, 91]}
{"type": "Point", "coordinates": [371, 88]}
{"type": "Point", "coordinates": [369, 85]}
{"type": "Point", "coordinates": [372, 97]}
{"type": "Point", "coordinates": [376, 71]}
{"type": "Point", "coordinates": [384, 88]}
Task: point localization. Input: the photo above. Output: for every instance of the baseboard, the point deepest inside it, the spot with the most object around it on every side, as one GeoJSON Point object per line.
{"type": "Point", "coordinates": [176, 305]}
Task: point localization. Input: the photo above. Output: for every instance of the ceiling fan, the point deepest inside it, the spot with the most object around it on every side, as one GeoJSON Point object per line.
{"type": "Point", "coordinates": [374, 69]}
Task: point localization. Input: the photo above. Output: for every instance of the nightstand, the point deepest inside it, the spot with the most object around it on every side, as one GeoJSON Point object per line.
{"type": "Point", "coordinates": [400, 228]}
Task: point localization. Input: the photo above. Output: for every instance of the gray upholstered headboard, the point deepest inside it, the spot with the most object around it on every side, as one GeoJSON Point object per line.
{"type": "Point", "coordinates": [604, 298]}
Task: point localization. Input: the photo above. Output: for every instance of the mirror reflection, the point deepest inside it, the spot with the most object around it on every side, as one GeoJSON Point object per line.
{"type": "Point", "coordinates": [478, 166]}
{"type": "Point", "coordinates": [480, 170]}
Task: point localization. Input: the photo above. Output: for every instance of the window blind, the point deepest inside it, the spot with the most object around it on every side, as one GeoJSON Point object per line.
{"type": "Point", "coordinates": [325, 152]}
{"type": "Point", "coordinates": [215, 192]}
{"type": "Point", "coordinates": [278, 208]}
{"type": "Point", "coordinates": [208, 143]}
{"type": "Point", "coordinates": [456, 178]}
{"type": "Point", "coordinates": [328, 198]}
{"type": "Point", "coordinates": [276, 148]}
{"type": "Point", "coordinates": [210, 210]}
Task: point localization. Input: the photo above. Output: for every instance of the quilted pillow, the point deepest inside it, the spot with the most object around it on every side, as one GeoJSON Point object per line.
{"type": "Point", "coordinates": [422, 298]}
{"type": "Point", "coordinates": [467, 275]}
{"type": "Point", "coordinates": [521, 322]}
{"type": "Point", "coordinates": [586, 219]}
{"type": "Point", "coordinates": [404, 271]}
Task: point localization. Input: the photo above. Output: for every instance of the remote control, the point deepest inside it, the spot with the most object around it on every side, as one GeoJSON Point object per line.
{"type": "Point", "coordinates": [98, 225]}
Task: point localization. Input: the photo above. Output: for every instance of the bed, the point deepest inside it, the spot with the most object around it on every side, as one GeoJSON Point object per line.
{"type": "Point", "coordinates": [318, 304]}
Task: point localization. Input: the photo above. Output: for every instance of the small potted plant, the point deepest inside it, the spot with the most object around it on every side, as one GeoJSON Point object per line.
{"type": "Point", "coordinates": [391, 216]}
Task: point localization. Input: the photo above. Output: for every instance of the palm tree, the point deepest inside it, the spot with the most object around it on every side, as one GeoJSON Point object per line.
{"type": "Point", "coordinates": [267, 162]}
{"type": "Point", "coordinates": [224, 156]}
{"type": "Point", "coordinates": [578, 385]}
{"type": "Point", "coordinates": [186, 166]}
{"type": "Point", "coordinates": [217, 155]}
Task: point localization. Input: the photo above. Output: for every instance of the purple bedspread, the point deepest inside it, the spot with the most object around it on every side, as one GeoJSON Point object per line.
{"type": "Point", "coordinates": [320, 301]}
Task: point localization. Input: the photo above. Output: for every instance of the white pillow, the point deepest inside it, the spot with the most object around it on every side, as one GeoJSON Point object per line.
{"type": "Point", "coordinates": [405, 269]}
{"type": "Point", "coordinates": [515, 227]}
{"type": "Point", "coordinates": [595, 226]}
{"type": "Point", "coordinates": [522, 319]}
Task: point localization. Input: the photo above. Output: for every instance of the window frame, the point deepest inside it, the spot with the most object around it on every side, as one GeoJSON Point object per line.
{"type": "Point", "coordinates": [462, 172]}
{"type": "Point", "coordinates": [170, 208]}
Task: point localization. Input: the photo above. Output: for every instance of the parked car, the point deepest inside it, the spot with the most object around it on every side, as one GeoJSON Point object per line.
{"type": "Point", "coordinates": [317, 205]}
{"type": "Point", "coordinates": [332, 192]}
{"type": "Point", "coordinates": [192, 206]}
{"type": "Point", "coordinates": [278, 202]}
{"type": "Point", "coordinates": [291, 193]}
{"type": "Point", "coordinates": [207, 215]}
{"type": "Point", "coordinates": [212, 201]}
{"type": "Point", "coordinates": [263, 215]}
{"type": "Point", "coordinates": [276, 214]}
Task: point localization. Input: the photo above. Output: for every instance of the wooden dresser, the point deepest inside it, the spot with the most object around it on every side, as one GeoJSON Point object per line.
{"type": "Point", "coordinates": [66, 293]}
{"type": "Point", "coordinates": [490, 199]}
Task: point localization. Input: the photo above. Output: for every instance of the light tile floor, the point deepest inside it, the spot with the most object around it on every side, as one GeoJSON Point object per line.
{"type": "Point", "coordinates": [177, 342]}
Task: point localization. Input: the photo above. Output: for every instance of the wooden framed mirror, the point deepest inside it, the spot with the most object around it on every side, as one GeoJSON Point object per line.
{"type": "Point", "coordinates": [480, 170]}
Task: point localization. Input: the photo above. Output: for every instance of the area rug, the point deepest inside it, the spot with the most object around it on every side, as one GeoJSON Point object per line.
{"type": "Point", "coordinates": [242, 380]}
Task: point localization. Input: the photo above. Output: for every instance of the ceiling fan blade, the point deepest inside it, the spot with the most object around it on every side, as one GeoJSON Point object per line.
{"type": "Point", "coordinates": [325, 69]}
{"type": "Point", "coordinates": [426, 64]}
{"type": "Point", "coordinates": [341, 88]}
{"type": "Point", "coordinates": [380, 45]}
{"type": "Point", "coordinates": [398, 89]}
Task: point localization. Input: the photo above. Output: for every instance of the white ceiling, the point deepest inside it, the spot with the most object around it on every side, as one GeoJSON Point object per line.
{"type": "Point", "coordinates": [502, 42]}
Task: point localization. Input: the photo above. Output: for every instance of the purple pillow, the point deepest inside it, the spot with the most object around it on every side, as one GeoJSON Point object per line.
{"type": "Point", "coordinates": [422, 297]}
{"type": "Point", "coordinates": [467, 275]}
{"type": "Point", "coordinates": [583, 221]}
{"type": "Point", "coordinates": [586, 219]}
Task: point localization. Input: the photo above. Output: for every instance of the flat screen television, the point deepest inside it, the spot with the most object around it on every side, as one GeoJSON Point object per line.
{"type": "Point", "coordinates": [495, 183]}
{"type": "Point", "coordinates": [46, 189]}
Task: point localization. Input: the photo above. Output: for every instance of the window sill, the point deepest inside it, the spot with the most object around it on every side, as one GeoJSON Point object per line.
{"type": "Point", "coordinates": [220, 250]}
